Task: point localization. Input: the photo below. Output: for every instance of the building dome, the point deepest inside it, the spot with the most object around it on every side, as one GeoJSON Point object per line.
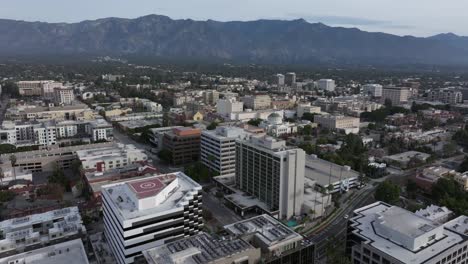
{"type": "Point", "coordinates": [275, 118]}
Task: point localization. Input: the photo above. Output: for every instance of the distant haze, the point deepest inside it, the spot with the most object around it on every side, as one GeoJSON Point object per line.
{"type": "Point", "coordinates": [401, 17]}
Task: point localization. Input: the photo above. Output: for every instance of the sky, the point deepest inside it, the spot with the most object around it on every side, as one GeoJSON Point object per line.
{"type": "Point", "coordinates": [400, 17]}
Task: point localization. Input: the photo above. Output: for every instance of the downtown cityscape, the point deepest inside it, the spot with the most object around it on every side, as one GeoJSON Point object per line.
{"type": "Point", "coordinates": [157, 140]}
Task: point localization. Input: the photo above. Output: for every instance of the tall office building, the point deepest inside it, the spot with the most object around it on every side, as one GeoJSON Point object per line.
{"type": "Point", "coordinates": [218, 148]}
{"type": "Point", "coordinates": [278, 79]}
{"type": "Point", "coordinates": [383, 234]}
{"type": "Point", "coordinates": [290, 79]}
{"type": "Point", "coordinates": [146, 213]}
{"type": "Point", "coordinates": [374, 90]}
{"type": "Point", "coordinates": [272, 172]}
{"type": "Point", "coordinates": [397, 95]}
{"type": "Point", "coordinates": [210, 97]}
{"type": "Point", "coordinates": [326, 85]}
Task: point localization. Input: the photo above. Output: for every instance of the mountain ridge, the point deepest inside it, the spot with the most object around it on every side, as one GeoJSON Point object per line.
{"type": "Point", "coordinates": [258, 41]}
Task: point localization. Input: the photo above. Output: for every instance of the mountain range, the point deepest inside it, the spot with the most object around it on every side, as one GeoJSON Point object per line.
{"type": "Point", "coordinates": [260, 41]}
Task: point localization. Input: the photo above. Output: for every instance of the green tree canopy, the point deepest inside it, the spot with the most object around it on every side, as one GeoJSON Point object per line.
{"type": "Point", "coordinates": [387, 192]}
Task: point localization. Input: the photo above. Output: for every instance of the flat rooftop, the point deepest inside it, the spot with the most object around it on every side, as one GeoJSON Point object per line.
{"type": "Point", "coordinates": [324, 172]}
{"type": "Point", "coordinates": [266, 228]}
{"type": "Point", "coordinates": [198, 249]}
{"type": "Point", "coordinates": [400, 221]}
{"type": "Point", "coordinates": [70, 252]}
{"type": "Point", "coordinates": [127, 195]}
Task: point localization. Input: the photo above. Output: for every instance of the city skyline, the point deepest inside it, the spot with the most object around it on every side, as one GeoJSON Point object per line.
{"type": "Point", "coordinates": [405, 18]}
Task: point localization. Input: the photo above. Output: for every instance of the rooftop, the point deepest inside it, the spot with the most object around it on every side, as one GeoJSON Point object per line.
{"type": "Point", "coordinates": [324, 172]}
{"type": "Point", "coordinates": [70, 252]}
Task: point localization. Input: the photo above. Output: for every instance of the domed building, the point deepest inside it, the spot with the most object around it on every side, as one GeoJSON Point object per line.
{"type": "Point", "coordinates": [274, 126]}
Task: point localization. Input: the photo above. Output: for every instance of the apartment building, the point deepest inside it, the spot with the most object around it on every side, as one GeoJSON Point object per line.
{"type": "Point", "coordinates": [147, 213]}
{"type": "Point", "coordinates": [271, 172]}
{"type": "Point", "coordinates": [184, 144]}
{"type": "Point", "coordinates": [383, 234]}
{"type": "Point", "coordinates": [338, 122]}
{"type": "Point", "coordinates": [450, 96]}
{"type": "Point", "coordinates": [257, 102]}
{"type": "Point", "coordinates": [307, 108]}
{"type": "Point", "coordinates": [326, 85]}
{"type": "Point", "coordinates": [374, 90]}
{"type": "Point", "coordinates": [397, 95]}
{"type": "Point", "coordinates": [279, 79]}
{"type": "Point", "coordinates": [38, 88]}
{"type": "Point", "coordinates": [210, 97]}
{"type": "Point", "coordinates": [290, 79]}
{"type": "Point", "coordinates": [40, 230]}
{"type": "Point", "coordinates": [226, 107]}
{"type": "Point", "coordinates": [218, 148]}
{"type": "Point", "coordinates": [109, 157]}
{"type": "Point", "coordinates": [64, 96]}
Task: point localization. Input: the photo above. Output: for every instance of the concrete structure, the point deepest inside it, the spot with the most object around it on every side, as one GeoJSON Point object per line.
{"type": "Point", "coordinates": [274, 126]}
{"type": "Point", "coordinates": [36, 231]}
{"type": "Point", "coordinates": [203, 248]}
{"type": "Point", "coordinates": [67, 112]}
{"type": "Point", "coordinates": [184, 144]}
{"type": "Point", "coordinates": [403, 159]}
{"type": "Point", "coordinates": [278, 79]}
{"type": "Point", "coordinates": [325, 173]}
{"type": "Point", "coordinates": [462, 179]}
{"type": "Point", "coordinates": [146, 213]}
{"type": "Point", "coordinates": [71, 252]}
{"type": "Point", "coordinates": [218, 148]}
{"type": "Point", "coordinates": [257, 102]}
{"type": "Point", "coordinates": [377, 235]}
{"type": "Point", "coordinates": [278, 243]}
{"type": "Point", "coordinates": [374, 90]}
{"type": "Point", "coordinates": [307, 108]}
{"type": "Point", "coordinates": [100, 130]}
{"type": "Point", "coordinates": [157, 134]}
{"type": "Point", "coordinates": [38, 88]}
{"type": "Point", "coordinates": [115, 156]}
{"type": "Point", "coordinates": [397, 95]}
{"type": "Point", "coordinates": [225, 107]}
{"type": "Point", "coordinates": [210, 97]}
{"type": "Point", "coordinates": [268, 170]}
{"type": "Point", "coordinates": [338, 122]}
{"type": "Point", "coordinates": [450, 96]}
{"type": "Point", "coordinates": [435, 213]}
{"type": "Point", "coordinates": [290, 79]}
{"type": "Point", "coordinates": [64, 96]}
{"type": "Point", "coordinates": [326, 85]}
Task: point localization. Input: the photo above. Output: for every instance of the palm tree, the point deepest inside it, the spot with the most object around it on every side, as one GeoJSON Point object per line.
{"type": "Point", "coordinates": [13, 163]}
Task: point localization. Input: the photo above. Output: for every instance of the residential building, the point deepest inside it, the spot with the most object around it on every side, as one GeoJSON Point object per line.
{"type": "Point", "coordinates": [39, 230]}
{"type": "Point", "coordinates": [376, 235]}
{"type": "Point", "coordinates": [403, 159]}
{"type": "Point", "coordinates": [430, 175]}
{"type": "Point", "coordinates": [462, 179]}
{"type": "Point", "coordinates": [257, 102]}
{"type": "Point", "coordinates": [38, 88]}
{"type": "Point", "coordinates": [71, 252]}
{"type": "Point", "coordinates": [109, 157]}
{"type": "Point", "coordinates": [136, 116]}
{"type": "Point", "coordinates": [100, 130]}
{"type": "Point", "coordinates": [397, 95]}
{"type": "Point", "coordinates": [326, 85]}
{"type": "Point", "coordinates": [374, 90]}
{"type": "Point", "coordinates": [183, 144]}
{"type": "Point", "coordinates": [64, 96]}
{"type": "Point", "coordinates": [338, 122]}
{"type": "Point", "coordinates": [204, 248]}
{"type": "Point", "coordinates": [218, 148]}
{"type": "Point", "coordinates": [147, 213]}
{"type": "Point", "coordinates": [67, 112]}
{"type": "Point", "coordinates": [278, 243]}
{"type": "Point", "coordinates": [290, 79]}
{"type": "Point", "coordinates": [210, 97]}
{"type": "Point", "coordinates": [271, 172]}
{"type": "Point", "coordinates": [450, 96]}
{"type": "Point", "coordinates": [307, 108]}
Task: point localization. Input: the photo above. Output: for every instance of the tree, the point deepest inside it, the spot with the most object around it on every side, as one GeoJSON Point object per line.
{"type": "Point", "coordinates": [449, 149]}
{"type": "Point", "coordinates": [307, 130]}
{"type": "Point", "coordinates": [254, 122]}
{"type": "Point", "coordinates": [76, 167]}
{"type": "Point", "coordinates": [13, 163]}
{"type": "Point", "coordinates": [309, 116]}
{"type": "Point", "coordinates": [212, 126]}
{"type": "Point", "coordinates": [58, 177]}
{"type": "Point", "coordinates": [387, 192]}
{"type": "Point", "coordinates": [7, 148]}
{"type": "Point", "coordinates": [165, 155]}
{"type": "Point", "coordinates": [411, 188]}
{"type": "Point", "coordinates": [388, 103]}
{"type": "Point", "coordinates": [464, 165]}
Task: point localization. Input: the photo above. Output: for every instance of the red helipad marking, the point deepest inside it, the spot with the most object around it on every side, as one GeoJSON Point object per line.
{"type": "Point", "coordinates": [147, 188]}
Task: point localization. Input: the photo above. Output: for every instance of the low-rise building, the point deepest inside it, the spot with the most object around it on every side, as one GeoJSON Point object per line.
{"type": "Point", "coordinates": [396, 95]}
{"type": "Point", "coordinates": [450, 96]}
{"type": "Point", "coordinates": [225, 107]}
{"type": "Point", "coordinates": [307, 108]}
{"type": "Point", "coordinates": [403, 159]}
{"type": "Point", "coordinates": [257, 102]}
{"type": "Point", "coordinates": [64, 96]}
{"type": "Point", "coordinates": [374, 90]}
{"type": "Point", "coordinates": [338, 122]}
{"type": "Point", "coordinates": [435, 213]}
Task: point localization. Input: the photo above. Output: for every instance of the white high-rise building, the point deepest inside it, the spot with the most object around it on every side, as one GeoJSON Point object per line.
{"type": "Point", "coordinates": [273, 173]}
{"type": "Point", "coordinates": [397, 95]}
{"type": "Point", "coordinates": [218, 148]}
{"type": "Point", "coordinates": [374, 90]}
{"type": "Point", "coordinates": [279, 79]}
{"type": "Point", "coordinates": [290, 79]}
{"type": "Point", "coordinates": [381, 233]}
{"type": "Point", "coordinates": [64, 96]}
{"type": "Point", "coordinates": [226, 107]}
{"type": "Point", "coordinates": [326, 85]}
{"type": "Point", "coordinates": [146, 213]}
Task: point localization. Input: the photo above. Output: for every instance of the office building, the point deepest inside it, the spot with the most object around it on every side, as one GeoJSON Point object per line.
{"type": "Point", "coordinates": [38, 88]}
{"type": "Point", "coordinates": [381, 233]}
{"type": "Point", "coordinates": [226, 107]}
{"type": "Point", "coordinates": [257, 102]}
{"type": "Point", "coordinates": [109, 157]}
{"type": "Point", "coordinates": [71, 252]}
{"type": "Point", "coordinates": [157, 134]}
{"type": "Point", "coordinates": [204, 249]}
{"type": "Point", "coordinates": [290, 79]}
{"type": "Point", "coordinates": [210, 97]}
{"type": "Point", "coordinates": [271, 172]}
{"type": "Point", "coordinates": [278, 243]}
{"type": "Point", "coordinates": [307, 108]}
{"type": "Point", "coordinates": [450, 96]}
{"type": "Point", "coordinates": [147, 213]}
{"type": "Point", "coordinates": [39, 230]}
{"type": "Point", "coordinates": [184, 144]}
{"type": "Point", "coordinates": [278, 79]}
{"type": "Point", "coordinates": [374, 90]}
{"type": "Point", "coordinates": [347, 124]}
{"type": "Point", "coordinates": [326, 85]}
{"type": "Point", "coordinates": [396, 95]}
{"type": "Point", "coordinates": [218, 148]}
{"type": "Point", "coordinates": [64, 96]}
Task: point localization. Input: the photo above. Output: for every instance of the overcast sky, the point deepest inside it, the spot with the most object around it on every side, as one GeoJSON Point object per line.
{"type": "Point", "coordinates": [402, 17]}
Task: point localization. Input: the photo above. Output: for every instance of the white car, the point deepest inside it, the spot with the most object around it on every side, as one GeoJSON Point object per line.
{"type": "Point", "coordinates": [346, 216]}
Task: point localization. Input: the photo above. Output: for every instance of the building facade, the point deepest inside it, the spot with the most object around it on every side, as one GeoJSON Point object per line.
{"type": "Point", "coordinates": [374, 90]}
{"type": "Point", "coordinates": [397, 95]}
{"type": "Point", "coordinates": [326, 85]}
{"type": "Point", "coordinates": [184, 145]}
{"type": "Point", "coordinates": [257, 102]}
